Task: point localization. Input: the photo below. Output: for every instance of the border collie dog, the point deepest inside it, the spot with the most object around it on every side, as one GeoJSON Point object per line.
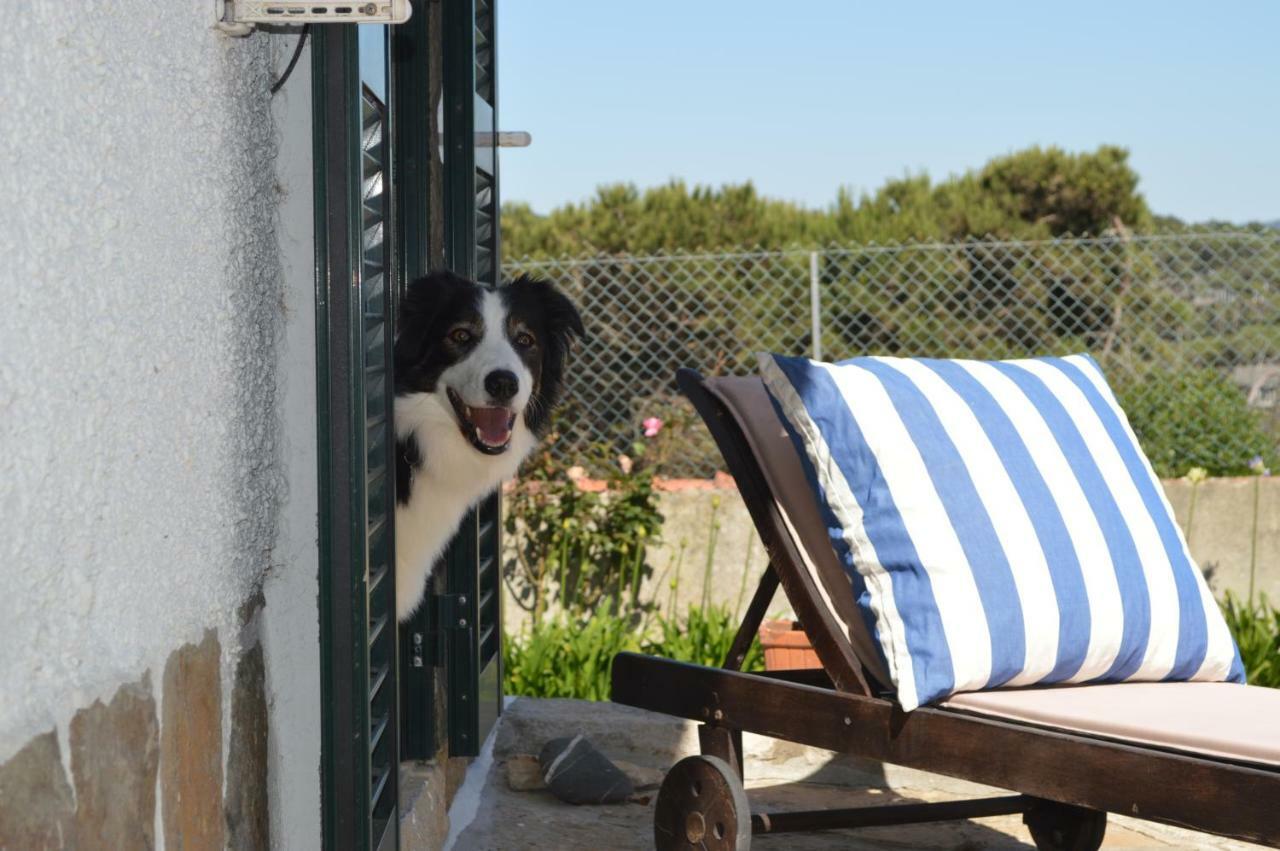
{"type": "Point", "coordinates": [478, 372]}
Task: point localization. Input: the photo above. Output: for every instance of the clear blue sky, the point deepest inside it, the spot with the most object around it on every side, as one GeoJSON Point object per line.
{"type": "Point", "coordinates": [802, 97]}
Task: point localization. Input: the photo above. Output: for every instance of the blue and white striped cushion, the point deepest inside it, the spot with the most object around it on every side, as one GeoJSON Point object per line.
{"type": "Point", "coordinates": [1000, 524]}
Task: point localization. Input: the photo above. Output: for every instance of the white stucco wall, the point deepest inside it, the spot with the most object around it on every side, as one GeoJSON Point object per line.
{"type": "Point", "coordinates": [142, 354]}
{"type": "Point", "coordinates": [291, 637]}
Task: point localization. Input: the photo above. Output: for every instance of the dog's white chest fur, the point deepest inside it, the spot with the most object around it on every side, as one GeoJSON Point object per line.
{"type": "Point", "coordinates": [452, 479]}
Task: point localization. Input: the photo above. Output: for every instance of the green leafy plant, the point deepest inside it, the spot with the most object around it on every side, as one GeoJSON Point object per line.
{"type": "Point", "coordinates": [1256, 629]}
{"type": "Point", "coordinates": [578, 547]}
{"type": "Point", "coordinates": [628, 523]}
{"type": "Point", "coordinates": [587, 551]}
{"type": "Point", "coordinates": [567, 657]}
{"type": "Point", "coordinates": [1188, 418]}
{"type": "Point", "coordinates": [703, 637]}
{"type": "Point", "coordinates": [550, 520]}
{"type": "Point", "coordinates": [563, 657]}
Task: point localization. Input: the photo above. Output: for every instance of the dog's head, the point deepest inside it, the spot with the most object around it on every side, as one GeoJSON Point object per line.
{"type": "Point", "coordinates": [490, 355]}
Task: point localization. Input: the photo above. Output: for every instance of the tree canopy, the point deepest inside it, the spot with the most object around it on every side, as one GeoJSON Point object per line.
{"type": "Point", "coordinates": [1030, 194]}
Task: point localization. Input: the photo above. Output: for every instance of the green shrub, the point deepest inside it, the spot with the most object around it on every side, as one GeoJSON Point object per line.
{"type": "Point", "coordinates": [564, 657]}
{"type": "Point", "coordinates": [1256, 628]}
{"type": "Point", "coordinates": [703, 638]}
{"type": "Point", "coordinates": [1188, 418]}
{"type": "Point", "coordinates": [581, 549]}
{"type": "Point", "coordinates": [560, 657]}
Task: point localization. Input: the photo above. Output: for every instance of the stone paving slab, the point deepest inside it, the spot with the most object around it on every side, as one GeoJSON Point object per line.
{"type": "Point", "coordinates": [780, 775]}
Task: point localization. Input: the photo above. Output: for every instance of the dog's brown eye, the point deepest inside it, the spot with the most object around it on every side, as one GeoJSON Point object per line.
{"type": "Point", "coordinates": [460, 336]}
{"type": "Point", "coordinates": [524, 340]}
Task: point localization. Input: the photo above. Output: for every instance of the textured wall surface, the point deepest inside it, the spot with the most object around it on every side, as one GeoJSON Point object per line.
{"type": "Point", "coordinates": [290, 627]}
{"type": "Point", "coordinates": [138, 346]}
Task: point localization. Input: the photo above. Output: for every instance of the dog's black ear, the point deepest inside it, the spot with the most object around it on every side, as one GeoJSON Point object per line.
{"type": "Point", "coordinates": [563, 320]}
{"type": "Point", "coordinates": [562, 325]}
{"type": "Point", "coordinates": [425, 297]}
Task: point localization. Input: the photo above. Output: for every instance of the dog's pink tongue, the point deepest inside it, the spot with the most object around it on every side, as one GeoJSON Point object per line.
{"type": "Point", "coordinates": [494, 424]}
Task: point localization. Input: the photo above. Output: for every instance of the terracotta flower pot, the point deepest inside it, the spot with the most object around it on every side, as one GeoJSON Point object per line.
{"type": "Point", "coordinates": [786, 647]}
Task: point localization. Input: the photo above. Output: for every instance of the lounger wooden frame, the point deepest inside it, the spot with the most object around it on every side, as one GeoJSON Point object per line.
{"type": "Point", "coordinates": [838, 709]}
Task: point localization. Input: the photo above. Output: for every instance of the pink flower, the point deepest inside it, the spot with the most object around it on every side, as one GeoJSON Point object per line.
{"type": "Point", "coordinates": [652, 426]}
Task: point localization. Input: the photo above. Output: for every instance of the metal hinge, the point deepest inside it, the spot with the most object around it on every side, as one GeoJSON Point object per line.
{"type": "Point", "coordinates": [450, 614]}
{"type": "Point", "coordinates": [451, 611]}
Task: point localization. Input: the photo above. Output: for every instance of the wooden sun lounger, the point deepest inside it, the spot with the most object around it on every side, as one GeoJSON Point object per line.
{"type": "Point", "coordinates": [1204, 756]}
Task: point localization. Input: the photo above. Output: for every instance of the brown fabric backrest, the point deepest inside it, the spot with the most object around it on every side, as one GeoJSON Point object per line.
{"type": "Point", "coordinates": [748, 402]}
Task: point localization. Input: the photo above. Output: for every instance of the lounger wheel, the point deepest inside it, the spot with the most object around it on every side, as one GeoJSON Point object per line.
{"type": "Point", "coordinates": [1062, 827]}
{"type": "Point", "coordinates": [703, 806]}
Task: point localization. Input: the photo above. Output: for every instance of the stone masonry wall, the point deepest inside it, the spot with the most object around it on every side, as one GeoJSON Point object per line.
{"type": "Point", "coordinates": [153, 749]}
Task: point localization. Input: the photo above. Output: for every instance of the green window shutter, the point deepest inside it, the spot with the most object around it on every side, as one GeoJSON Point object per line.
{"type": "Point", "coordinates": [471, 199]}
{"type": "Point", "coordinates": [416, 71]}
{"type": "Point", "coordinates": [379, 475]}
{"type": "Point", "coordinates": [359, 709]}
{"type": "Point", "coordinates": [447, 215]}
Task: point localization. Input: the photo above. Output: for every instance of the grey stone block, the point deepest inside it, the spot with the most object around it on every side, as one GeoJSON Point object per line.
{"type": "Point", "coordinates": [424, 815]}
{"type": "Point", "coordinates": [115, 757]}
{"type": "Point", "coordinates": [247, 815]}
{"type": "Point", "coordinates": [191, 747]}
{"type": "Point", "coordinates": [36, 809]}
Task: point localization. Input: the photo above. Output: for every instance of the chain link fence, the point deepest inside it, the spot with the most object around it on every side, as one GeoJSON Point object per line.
{"type": "Point", "coordinates": [1187, 328]}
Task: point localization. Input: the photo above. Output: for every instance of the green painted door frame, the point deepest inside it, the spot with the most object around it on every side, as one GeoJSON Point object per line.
{"type": "Point", "coordinates": [471, 206]}
{"type": "Point", "coordinates": [387, 209]}
{"type": "Point", "coordinates": [354, 318]}
{"type": "Point", "coordinates": [444, 69]}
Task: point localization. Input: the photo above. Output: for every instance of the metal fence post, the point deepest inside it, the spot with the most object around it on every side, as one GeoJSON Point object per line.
{"type": "Point", "coordinates": [815, 305]}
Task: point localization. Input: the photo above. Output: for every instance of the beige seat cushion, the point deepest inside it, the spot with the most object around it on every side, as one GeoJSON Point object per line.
{"type": "Point", "coordinates": [1222, 720]}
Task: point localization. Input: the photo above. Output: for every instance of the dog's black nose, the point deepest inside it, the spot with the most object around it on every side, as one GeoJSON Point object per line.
{"type": "Point", "coordinates": [501, 384]}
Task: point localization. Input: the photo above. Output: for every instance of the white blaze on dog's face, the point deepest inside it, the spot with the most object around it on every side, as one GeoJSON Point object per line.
{"type": "Point", "coordinates": [490, 384]}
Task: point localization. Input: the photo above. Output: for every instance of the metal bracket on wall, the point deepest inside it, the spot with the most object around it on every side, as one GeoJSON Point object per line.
{"type": "Point", "coordinates": [504, 139]}
{"type": "Point", "coordinates": [240, 17]}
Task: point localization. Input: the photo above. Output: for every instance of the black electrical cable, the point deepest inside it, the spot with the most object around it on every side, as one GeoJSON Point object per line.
{"type": "Point", "coordinates": [297, 52]}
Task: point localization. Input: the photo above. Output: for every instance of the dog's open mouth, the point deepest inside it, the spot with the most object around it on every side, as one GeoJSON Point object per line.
{"type": "Point", "coordinates": [488, 429]}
